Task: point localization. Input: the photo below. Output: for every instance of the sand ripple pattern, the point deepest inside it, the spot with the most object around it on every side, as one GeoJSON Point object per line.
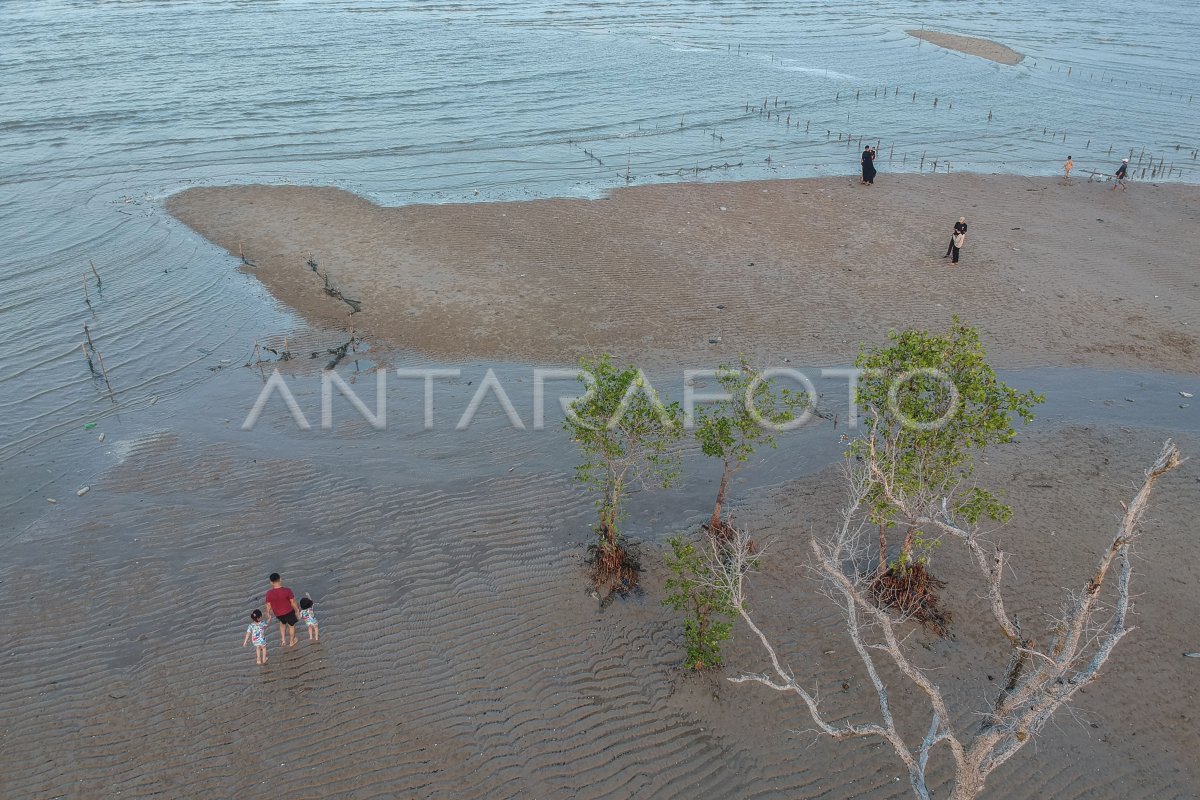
{"type": "Point", "coordinates": [462, 657]}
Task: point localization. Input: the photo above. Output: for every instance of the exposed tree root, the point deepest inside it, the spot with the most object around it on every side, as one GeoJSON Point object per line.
{"type": "Point", "coordinates": [912, 590]}
{"type": "Point", "coordinates": [614, 571]}
{"type": "Point", "coordinates": [724, 531]}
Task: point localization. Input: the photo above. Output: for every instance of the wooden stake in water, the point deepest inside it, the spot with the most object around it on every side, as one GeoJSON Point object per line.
{"type": "Point", "coordinates": [100, 358]}
{"type": "Point", "coordinates": [91, 366]}
{"type": "Point", "coordinates": [94, 272]}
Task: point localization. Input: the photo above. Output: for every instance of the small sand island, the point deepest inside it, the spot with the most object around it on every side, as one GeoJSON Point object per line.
{"type": "Point", "coordinates": [983, 48]}
{"type": "Point", "coordinates": [1053, 273]}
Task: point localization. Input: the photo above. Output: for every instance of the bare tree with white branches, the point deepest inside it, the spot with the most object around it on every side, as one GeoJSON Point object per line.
{"type": "Point", "coordinates": [1040, 678]}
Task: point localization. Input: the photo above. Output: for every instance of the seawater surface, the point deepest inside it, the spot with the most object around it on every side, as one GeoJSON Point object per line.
{"type": "Point", "coordinates": [105, 109]}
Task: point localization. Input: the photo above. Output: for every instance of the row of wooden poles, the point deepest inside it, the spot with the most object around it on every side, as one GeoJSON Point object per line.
{"type": "Point", "coordinates": [1070, 71]}
{"type": "Point", "coordinates": [1155, 170]}
{"type": "Point", "coordinates": [1161, 89]}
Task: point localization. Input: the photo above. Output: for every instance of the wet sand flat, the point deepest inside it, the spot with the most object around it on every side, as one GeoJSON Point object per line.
{"type": "Point", "coordinates": [1052, 273]}
{"type": "Point", "coordinates": [461, 653]}
{"type": "Point", "coordinates": [983, 48]}
{"type": "Point", "coordinates": [461, 656]}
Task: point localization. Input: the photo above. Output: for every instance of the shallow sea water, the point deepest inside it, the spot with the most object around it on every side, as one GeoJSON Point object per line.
{"type": "Point", "coordinates": [107, 109]}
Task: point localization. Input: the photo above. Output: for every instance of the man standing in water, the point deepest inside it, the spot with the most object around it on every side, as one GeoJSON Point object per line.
{"type": "Point", "coordinates": [281, 602]}
{"type": "Point", "coordinates": [1120, 176]}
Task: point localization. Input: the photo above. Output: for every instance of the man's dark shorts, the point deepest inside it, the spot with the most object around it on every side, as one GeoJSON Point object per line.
{"type": "Point", "coordinates": [288, 619]}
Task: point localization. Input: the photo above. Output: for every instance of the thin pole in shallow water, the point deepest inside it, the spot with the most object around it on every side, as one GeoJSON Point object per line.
{"type": "Point", "coordinates": [100, 358]}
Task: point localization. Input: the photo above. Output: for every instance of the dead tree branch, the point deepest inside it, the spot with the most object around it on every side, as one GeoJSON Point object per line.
{"type": "Point", "coordinates": [1038, 682]}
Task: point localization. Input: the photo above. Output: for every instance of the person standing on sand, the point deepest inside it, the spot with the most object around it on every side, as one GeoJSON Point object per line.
{"type": "Point", "coordinates": [256, 631]}
{"type": "Point", "coordinates": [956, 244]}
{"type": "Point", "coordinates": [281, 602]}
{"type": "Point", "coordinates": [1067, 168]}
{"type": "Point", "coordinates": [959, 227]}
{"type": "Point", "coordinates": [868, 166]}
{"type": "Point", "coordinates": [1120, 176]}
{"type": "Point", "coordinates": [309, 615]}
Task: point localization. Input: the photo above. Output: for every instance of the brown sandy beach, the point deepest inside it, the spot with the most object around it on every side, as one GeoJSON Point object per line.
{"type": "Point", "coordinates": [805, 269]}
{"type": "Point", "coordinates": [461, 654]}
{"type": "Point", "coordinates": [983, 48]}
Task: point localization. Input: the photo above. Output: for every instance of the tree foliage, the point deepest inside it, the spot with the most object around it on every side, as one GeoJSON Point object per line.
{"type": "Point", "coordinates": [707, 608]}
{"type": "Point", "coordinates": [932, 403]}
{"type": "Point", "coordinates": [733, 429]}
{"type": "Point", "coordinates": [625, 433]}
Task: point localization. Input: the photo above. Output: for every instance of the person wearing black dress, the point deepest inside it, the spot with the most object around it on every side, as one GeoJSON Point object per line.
{"type": "Point", "coordinates": [868, 165]}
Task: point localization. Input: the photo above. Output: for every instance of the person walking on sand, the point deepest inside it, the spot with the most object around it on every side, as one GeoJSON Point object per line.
{"type": "Point", "coordinates": [309, 615]}
{"type": "Point", "coordinates": [1120, 175]}
{"type": "Point", "coordinates": [281, 602]}
{"type": "Point", "coordinates": [959, 227]}
{"type": "Point", "coordinates": [257, 631]}
{"type": "Point", "coordinates": [1067, 167]}
{"type": "Point", "coordinates": [956, 244]}
{"type": "Point", "coordinates": [868, 166]}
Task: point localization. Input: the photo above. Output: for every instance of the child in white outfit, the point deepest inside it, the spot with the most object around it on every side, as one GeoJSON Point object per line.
{"type": "Point", "coordinates": [309, 615]}
{"type": "Point", "coordinates": [257, 631]}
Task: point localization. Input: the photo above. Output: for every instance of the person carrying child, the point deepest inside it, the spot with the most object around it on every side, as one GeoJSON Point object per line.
{"type": "Point", "coordinates": [257, 631]}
